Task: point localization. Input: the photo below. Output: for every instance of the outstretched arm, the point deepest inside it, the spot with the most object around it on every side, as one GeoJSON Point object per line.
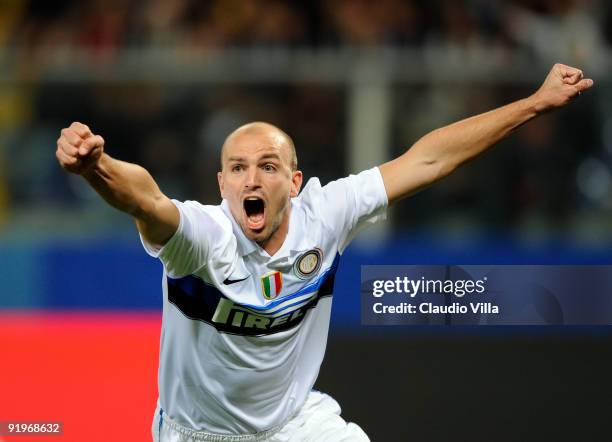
{"type": "Point", "coordinates": [127, 187]}
{"type": "Point", "coordinates": [441, 151]}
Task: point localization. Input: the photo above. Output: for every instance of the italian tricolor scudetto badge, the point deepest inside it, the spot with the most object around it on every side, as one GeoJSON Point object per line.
{"type": "Point", "coordinates": [271, 284]}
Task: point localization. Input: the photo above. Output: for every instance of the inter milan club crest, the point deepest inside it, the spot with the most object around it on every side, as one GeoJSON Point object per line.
{"type": "Point", "coordinates": [308, 264]}
{"type": "Point", "coordinates": [271, 284]}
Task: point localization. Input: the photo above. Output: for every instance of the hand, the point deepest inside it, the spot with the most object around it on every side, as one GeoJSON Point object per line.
{"type": "Point", "coordinates": [78, 150]}
{"type": "Point", "coordinates": [562, 84]}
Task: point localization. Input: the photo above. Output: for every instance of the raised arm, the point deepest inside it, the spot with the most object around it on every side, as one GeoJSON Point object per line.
{"type": "Point", "coordinates": [441, 151]}
{"type": "Point", "coordinates": [127, 187]}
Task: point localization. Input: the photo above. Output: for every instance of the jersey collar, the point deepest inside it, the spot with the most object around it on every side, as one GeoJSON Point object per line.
{"type": "Point", "coordinates": [245, 245]}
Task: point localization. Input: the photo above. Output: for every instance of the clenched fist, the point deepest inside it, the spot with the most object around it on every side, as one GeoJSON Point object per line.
{"type": "Point", "coordinates": [78, 150]}
{"type": "Point", "coordinates": [561, 85]}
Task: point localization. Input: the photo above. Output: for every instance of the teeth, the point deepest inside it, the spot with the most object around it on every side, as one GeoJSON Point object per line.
{"type": "Point", "coordinates": [252, 198]}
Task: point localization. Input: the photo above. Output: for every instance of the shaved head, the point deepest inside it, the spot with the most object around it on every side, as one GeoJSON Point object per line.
{"type": "Point", "coordinates": [278, 136]}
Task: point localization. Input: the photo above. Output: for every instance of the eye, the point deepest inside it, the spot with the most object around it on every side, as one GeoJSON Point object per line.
{"type": "Point", "coordinates": [236, 168]}
{"type": "Point", "coordinates": [269, 167]}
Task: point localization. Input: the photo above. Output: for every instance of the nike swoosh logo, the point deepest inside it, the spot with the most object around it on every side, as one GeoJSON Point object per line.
{"type": "Point", "coordinates": [233, 281]}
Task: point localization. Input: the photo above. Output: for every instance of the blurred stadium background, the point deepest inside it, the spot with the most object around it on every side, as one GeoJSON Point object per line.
{"type": "Point", "coordinates": [355, 83]}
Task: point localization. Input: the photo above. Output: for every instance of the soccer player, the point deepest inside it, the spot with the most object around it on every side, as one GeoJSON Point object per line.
{"type": "Point", "coordinates": [248, 283]}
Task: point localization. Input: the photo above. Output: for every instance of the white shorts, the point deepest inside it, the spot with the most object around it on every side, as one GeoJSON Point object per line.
{"type": "Point", "coordinates": [317, 421]}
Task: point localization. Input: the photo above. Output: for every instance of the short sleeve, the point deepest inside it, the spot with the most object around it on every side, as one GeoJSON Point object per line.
{"type": "Point", "coordinates": [188, 249]}
{"type": "Point", "coordinates": [351, 204]}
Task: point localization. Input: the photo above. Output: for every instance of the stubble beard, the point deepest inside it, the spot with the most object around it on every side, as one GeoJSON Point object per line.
{"type": "Point", "coordinates": [276, 225]}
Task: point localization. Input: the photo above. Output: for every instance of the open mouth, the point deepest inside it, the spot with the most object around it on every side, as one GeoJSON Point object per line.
{"type": "Point", "coordinates": [255, 209]}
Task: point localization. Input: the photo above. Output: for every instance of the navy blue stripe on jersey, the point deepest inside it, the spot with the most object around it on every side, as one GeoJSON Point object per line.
{"type": "Point", "coordinates": [200, 301]}
{"type": "Point", "coordinates": [291, 306]}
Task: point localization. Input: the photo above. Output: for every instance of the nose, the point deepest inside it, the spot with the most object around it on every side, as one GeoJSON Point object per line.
{"type": "Point", "coordinates": [252, 178]}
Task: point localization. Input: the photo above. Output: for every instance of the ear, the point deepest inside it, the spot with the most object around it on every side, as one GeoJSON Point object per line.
{"type": "Point", "coordinates": [296, 183]}
{"type": "Point", "coordinates": [220, 181]}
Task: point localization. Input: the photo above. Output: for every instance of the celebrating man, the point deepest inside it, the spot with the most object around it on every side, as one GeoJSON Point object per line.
{"type": "Point", "coordinates": [248, 283]}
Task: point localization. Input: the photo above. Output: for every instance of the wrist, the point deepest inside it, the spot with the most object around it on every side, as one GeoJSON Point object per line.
{"type": "Point", "coordinates": [536, 104]}
{"type": "Point", "coordinates": [95, 168]}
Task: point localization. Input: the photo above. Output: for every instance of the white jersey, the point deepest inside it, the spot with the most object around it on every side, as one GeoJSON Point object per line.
{"type": "Point", "coordinates": [244, 333]}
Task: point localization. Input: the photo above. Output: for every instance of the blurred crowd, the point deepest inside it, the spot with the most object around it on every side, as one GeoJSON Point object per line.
{"type": "Point", "coordinates": [554, 168]}
{"type": "Point", "coordinates": [106, 25]}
